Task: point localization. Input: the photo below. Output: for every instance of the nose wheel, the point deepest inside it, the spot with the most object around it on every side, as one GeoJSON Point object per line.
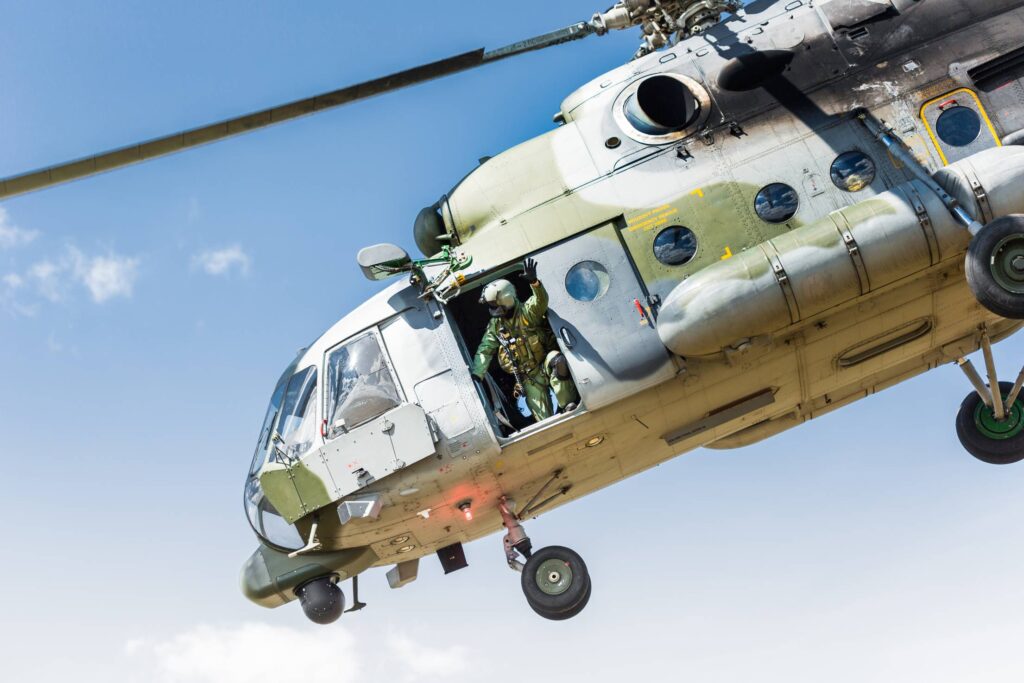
{"type": "Point", "coordinates": [990, 424]}
{"type": "Point", "coordinates": [554, 579]}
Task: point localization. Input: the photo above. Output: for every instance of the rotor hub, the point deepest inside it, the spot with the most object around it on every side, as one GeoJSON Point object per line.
{"type": "Point", "coordinates": [664, 22]}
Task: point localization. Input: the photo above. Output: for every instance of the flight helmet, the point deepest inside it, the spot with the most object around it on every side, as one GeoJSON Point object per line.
{"type": "Point", "coordinates": [500, 298]}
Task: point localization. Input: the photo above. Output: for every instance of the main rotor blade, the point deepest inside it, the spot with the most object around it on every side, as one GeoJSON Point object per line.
{"type": "Point", "coordinates": [124, 156]}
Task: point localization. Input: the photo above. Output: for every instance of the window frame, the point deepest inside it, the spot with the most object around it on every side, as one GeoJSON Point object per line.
{"type": "Point", "coordinates": [603, 286]}
{"type": "Point", "coordinates": [317, 416]}
{"type": "Point", "coordinates": [867, 185]}
{"type": "Point", "coordinates": [403, 398]}
{"type": "Point", "coordinates": [796, 210]}
{"type": "Point", "coordinates": [696, 241]}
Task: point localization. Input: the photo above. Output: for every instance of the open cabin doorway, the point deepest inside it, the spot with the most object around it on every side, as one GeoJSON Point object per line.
{"type": "Point", "coordinates": [469, 319]}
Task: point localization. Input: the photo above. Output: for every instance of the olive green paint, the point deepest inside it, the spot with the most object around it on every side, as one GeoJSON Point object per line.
{"type": "Point", "coordinates": [293, 490]}
{"type": "Point", "coordinates": [719, 216]}
{"type": "Point", "coordinates": [269, 577]}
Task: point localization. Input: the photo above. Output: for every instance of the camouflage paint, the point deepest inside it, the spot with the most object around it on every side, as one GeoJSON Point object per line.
{"type": "Point", "coordinates": [293, 490]}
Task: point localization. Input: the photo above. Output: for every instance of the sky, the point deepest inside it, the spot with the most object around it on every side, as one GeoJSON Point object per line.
{"type": "Point", "coordinates": [145, 315]}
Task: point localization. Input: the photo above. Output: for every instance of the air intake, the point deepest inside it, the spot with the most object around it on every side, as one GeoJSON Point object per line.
{"type": "Point", "coordinates": [662, 105]}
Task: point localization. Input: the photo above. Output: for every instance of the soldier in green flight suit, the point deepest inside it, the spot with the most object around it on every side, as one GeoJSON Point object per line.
{"type": "Point", "coordinates": [525, 345]}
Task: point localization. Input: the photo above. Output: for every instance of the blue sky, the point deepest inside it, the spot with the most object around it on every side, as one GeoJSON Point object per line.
{"type": "Point", "coordinates": [146, 313]}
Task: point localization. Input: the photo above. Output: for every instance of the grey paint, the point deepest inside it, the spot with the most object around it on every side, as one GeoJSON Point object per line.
{"type": "Point", "coordinates": [611, 352]}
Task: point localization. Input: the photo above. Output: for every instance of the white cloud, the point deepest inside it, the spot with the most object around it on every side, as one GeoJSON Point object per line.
{"type": "Point", "coordinates": [223, 261]}
{"type": "Point", "coordinates": [422, 662]}
{"type": "Point", "coordinates": [10, 284]}
{"type": "Point", "coordinates": [11, 235]}
{"type": "Point", "coordinates": [48, 278]}
{"type": "Point", "coordinates": [261, 653]}
{"type": "Point", "coordinates": [106, 277]}
{"type": "Point", "coordinates": [251, 653]}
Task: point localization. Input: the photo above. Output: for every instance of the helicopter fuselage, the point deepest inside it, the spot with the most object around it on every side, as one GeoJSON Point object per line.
{"type": "Point", "coordinates": [767, 177]}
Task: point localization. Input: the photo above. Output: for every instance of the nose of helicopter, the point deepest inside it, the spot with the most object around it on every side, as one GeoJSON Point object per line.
{"type": "Point", "coordinates": [271, 578]}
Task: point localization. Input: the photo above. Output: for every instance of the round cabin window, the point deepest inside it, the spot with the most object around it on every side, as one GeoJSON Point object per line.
{"type": "Point", "coordinates": [853, 171]}
{"type": "Point", "coordinates": [675, 246]}
{"type": "Point", "coordinates": [587, 281]}
{"type": "Point", "coordinates": [959, 126]}
{"type": "Point", "coordinates": [776, 203]}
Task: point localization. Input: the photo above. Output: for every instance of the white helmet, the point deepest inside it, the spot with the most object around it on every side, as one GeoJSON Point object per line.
{"type": "Point", "coordinates": [500, 296]}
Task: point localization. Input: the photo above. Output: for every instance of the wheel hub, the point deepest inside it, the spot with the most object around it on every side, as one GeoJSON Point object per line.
{"type": "Point", "coordinates": [1007, 428]}
{"type": "Point", "coordinates": [554, 577]}
{"type": "Point", "coordinates": [1008, 263]}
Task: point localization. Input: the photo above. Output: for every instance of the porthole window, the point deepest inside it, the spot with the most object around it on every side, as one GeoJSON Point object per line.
{"type": "Point", "coordinates": [853, 171]}
{"type": "Point", "coordinates": [587, 281]}
{"type": "Point", "coordinates": [675, 246]}
{"type": "Point", "coordinates": [958, 126]}
{"type": "Point", "coordinates": [776, 203]}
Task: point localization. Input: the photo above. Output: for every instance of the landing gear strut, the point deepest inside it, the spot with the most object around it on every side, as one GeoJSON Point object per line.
{"type": "Point", "coordinates": [990, 424]}
{"type": "Point", "coordinates": [555, 580]}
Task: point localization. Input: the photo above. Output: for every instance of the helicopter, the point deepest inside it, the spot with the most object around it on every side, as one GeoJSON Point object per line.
{"type": "Point", "coordinates": [770, 212]}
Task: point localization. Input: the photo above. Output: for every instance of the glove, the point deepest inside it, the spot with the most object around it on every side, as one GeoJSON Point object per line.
{"type": "Point", "coordinates": [530, 270]}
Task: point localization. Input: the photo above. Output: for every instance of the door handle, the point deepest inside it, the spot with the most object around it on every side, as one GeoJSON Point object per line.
{"type": "Point", "coordinates": [567, 338]}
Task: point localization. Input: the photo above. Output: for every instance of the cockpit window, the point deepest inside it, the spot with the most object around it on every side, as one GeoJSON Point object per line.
{"type": "Point", "coordinates": [359, 384]}
{"type": "Point", "coordinates": [259, 457]}
{"type": "Point", "coordinates": [291, 418]}
{"type": "Point", "coordinates": [297, 424]}
{"type": "Point", "coordinates": [266, 521]}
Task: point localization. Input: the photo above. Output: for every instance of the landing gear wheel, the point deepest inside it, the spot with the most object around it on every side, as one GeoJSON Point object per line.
{"type": "Point", "coordinates": [987, 439]}
{"type": "Point", "coordinates": [556, 583]}
{"type": "Point", "coordinates": [995, 267]}
{"type": "Point", "coordinates": [562, 616]}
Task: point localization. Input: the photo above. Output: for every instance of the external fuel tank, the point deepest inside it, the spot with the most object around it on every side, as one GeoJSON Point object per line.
{"type": "Point", "coordinates": [846, 254]}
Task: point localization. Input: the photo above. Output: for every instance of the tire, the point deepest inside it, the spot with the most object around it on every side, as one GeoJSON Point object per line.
{"type": "Point", "coordinates": [996, 443]}
{"type": "Point", "coordinates": [571, 612]}
{"type": "Point", "coordinates": [997, 283]}
{"type": "Point", "coordinates": [555, 581]}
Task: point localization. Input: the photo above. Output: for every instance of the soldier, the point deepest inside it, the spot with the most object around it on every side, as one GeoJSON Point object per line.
{"type": "Point", "coordinates": [526, 347]}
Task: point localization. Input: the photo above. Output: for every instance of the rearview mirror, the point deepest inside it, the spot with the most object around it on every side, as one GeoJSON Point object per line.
{"type": "Point", "coordinates": [381, 261]}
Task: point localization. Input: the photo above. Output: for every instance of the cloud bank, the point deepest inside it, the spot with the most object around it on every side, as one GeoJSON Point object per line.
{"type": "Point", "coordinates": [262, 653]}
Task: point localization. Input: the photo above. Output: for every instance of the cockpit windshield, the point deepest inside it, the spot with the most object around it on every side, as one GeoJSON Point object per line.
{"type": "Point", "coordinates": [266, 521]}
{"type": "Point", "coordinates": [268, 422]}
{"type": "Point", "coordinates": [289, 427]}
{"type": "Point", "coordinates": [359, 384]}
{"type": "Point", "coordinates": [359, 387]}
{"type": "Point", "coordinates": [296, 427]}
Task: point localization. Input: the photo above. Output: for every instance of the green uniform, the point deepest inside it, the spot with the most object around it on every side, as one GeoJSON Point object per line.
{"type": "Point", "coordinates": [529, 338]}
